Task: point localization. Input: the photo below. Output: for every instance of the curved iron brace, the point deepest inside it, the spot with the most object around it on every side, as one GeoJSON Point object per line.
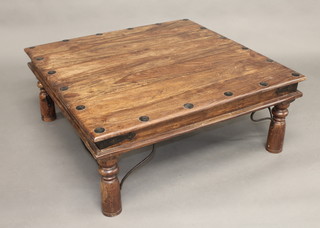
{"type": "Point", "coordinates": [258, 120]}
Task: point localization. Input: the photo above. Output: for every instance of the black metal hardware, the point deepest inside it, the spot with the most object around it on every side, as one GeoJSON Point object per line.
{"type": "Point", "coordinates": [263, 83]}
{"type": "Point", "coordinates": [228, 94]}
{"type": "Point", "coordinates": [64, 88]}
{"type": "Point", "coordinates": [258, 120]}
{"type": "Point", "coordinates": [188, 106]}
{"type": "Point", "coordinates": [115, 140]}
{"type": "Point", "coordinates": [287, 89]}
{"type": "Point", "coordinates": [99, 130]}
{"type": "Point", "coordinates": [52, 72]}
{"type": "Point", "coordinates": [142, 162]}
{"type": "Point", "coordinates": [144, 118]}
{"type": "Point", "coordinates": [80, 107]}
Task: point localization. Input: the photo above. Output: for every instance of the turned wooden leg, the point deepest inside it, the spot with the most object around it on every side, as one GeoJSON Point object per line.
{"type": "Point", "coordinates": [277, 128]}
{"type": "Point", "coordinates": [47, 109]}
{"type": "Point", "coordinates": [110, 186]}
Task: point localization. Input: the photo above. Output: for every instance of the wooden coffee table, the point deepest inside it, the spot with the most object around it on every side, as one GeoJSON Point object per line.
{"type": "Point", "coordinates": [131, 88]}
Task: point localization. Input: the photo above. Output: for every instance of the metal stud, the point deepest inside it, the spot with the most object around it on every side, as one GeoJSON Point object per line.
{"type": "Point", "coordinates": [99, 130]}
{"type": "Point", "coordinates": [80, 107]}
{"type": "Point", "coordinates": [185, 19]}
{"type": "Point", "coordinates": [203, 27]}
{"type": "Point", "coordinates": [51, 72]}
{"type": "Point", "coordinates": [228, 93]}
{"type": "Point", "coordinates": [295, 74]}
{"type": "Point", "coordinates": [39, 58]}
{"type": "Point", "coordinates": [188, 106]}
{"type": "Point", "coordinates": [245, 48]}
{"type": "Point", "coordinates": [65, 40]}
{"type": "Point", "coordinates": [64, 88]}
{"type": "Point", "coordinates": [158, 23]}
{"type": "Point", "coordinates": [99, 34]}
{"type": "Point", "coordinates": [269, 60]}
{"type": "Point", "coordinates": [223, 37]}
{"type": "Point", "coordinates": [32, 47]}
{"type": "Point", "coordinates": [129, 28]}
{"type": "Point", "coordinates": [263, 83]}
{"type": "Point", "coordinates": [144, 118]}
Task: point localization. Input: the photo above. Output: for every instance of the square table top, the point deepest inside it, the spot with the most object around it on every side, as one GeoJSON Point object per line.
{"type": "Point", "coordinates": [116, 82]}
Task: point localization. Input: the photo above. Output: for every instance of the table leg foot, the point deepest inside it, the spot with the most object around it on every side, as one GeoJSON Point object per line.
{"type": "Point", "coordinates": [277, 128]}
{"type": "Point", "coordinates": [110, 186]}
{"type": "Point", "coordinates": [47, 108]}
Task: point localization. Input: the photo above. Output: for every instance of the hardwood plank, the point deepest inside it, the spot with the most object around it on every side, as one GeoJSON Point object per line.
{"type": "Point", "coordinates": [125, 35]}
{"type": "Point", "coordinates": [96, 51]}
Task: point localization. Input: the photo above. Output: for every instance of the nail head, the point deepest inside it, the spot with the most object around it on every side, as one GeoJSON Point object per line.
{"type": "Point", "coordinates": [51, 72]}
{"type": "Point", "coordinates": [295, 74]}
{"type": "Point", "coordinates": [188, 106]}
{"type": "Point", "coordinates": [263, 83]}
{"type": "Point", "coordinates": [64, 88]}
{"type": "Point", "coordinates": [80, 107]}
{"type": "Point", "coordinates": [99, 130]}
{"type": "Point", "coordinates": [144, 118]}
{"type": "Point", "coordinates": [228, 93]}
{"type": "Point", "coordinates": [39, 58]}
{"type": "Point", "coordinates": [245, 48]}
{"type": "Point", "coordinates": [99, 34]}
{"type": "Point", "coordinates": [269, 60]}
{"type": "Point", "coordinates": [65, 40]}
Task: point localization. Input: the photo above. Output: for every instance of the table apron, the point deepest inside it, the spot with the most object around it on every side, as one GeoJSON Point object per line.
{"type": "Point", "coordinates": [177, 126]}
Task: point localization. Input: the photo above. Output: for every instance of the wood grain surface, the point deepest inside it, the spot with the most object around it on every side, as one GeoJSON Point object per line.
{"type": "Point", "coordinates": [179, 76]}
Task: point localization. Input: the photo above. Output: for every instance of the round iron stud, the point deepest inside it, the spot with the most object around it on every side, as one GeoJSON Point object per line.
{"type": "Point", "coordinates": [99, 130]}
{"type": "Point", "coordinates": [228, 93]}
{"type": "Point", "coordinates": [295, 74]}
{"type": "Point", "coordinates": [203, 27]}
{"type": "Point", "coordinates": [144, 118]}
{"type": "Point", "coordinates": [244, 48]}
{"type": "Point", "coordinates": [263, 83]}
{"type": "Point", "coordinates": [269, 60]}
{"type": "Point", "coordinates": [64, 88]}
{"type": "Point", "coordinates": [99, 34]}
{"type": "Point", "coordinates": [185, 19]}
{"type": "Point", "coordinates": [158, 23]}
{"type": "Point", "coordinates": [39, 58]}
{"type": "Point", "coordinates": [129, 28]}
{"type": "Point", "coordinates": [32, 47]}
{"type": "Point", "coordinates": [80, 107]}
{"type": "Point", "coordinates": [51, 72]}
{"type": "Point", "coordinates": [188, 106]}
{"type": "Point", "coordinates": [65, 40]}
{"type": "Point", "coordinates": [223, 37]}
